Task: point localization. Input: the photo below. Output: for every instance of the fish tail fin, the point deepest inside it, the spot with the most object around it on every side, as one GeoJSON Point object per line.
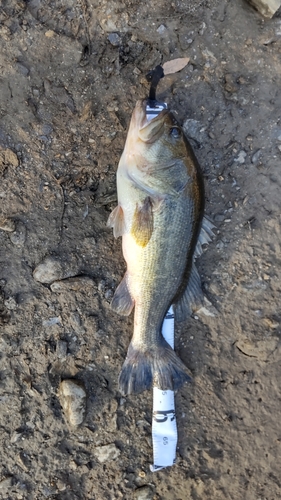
{"type": "Point", "coordinates": [159, 365]}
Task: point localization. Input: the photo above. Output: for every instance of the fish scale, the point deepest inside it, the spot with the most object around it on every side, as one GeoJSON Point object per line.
{"type": "Point", "coordinates": [160, 265]}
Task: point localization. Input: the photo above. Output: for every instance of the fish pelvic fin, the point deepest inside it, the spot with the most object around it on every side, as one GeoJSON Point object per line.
{"type": "Point", "coordinates": [159, 365]}
{"type": "Point", "coordinates": [116, 221]}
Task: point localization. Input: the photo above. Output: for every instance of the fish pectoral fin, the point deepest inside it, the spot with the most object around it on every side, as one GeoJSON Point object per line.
{"type": "Point", "coordinates": [192, 298]}
{"type": "Point", "coordinates": [122, 302]}
{"type": "Point", "coordinates": [142, 225]}
{"type": "Point", "coordinates": [116, 221]}
{"type": "Point", "coordinates": [205, 236]}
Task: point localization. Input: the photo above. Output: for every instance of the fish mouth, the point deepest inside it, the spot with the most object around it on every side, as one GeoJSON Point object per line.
{"type": "Point", "coordinates": [148, 130]}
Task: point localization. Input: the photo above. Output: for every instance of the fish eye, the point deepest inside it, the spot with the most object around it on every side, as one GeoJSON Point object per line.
{"type": "Point", "coordinates": [175, 132]}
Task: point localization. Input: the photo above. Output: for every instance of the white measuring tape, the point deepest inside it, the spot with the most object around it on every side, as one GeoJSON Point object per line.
{"type": "Point", "coordinates": [164, 425]}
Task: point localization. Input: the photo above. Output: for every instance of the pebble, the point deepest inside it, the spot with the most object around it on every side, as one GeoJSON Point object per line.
{"type": "Point", "coordinates": [61, 349]}
{"type": "Point", "coordinates": [143, 493]}
{"type": "Point", "coordinates": [256, 156]}
{"type": "Point", "coordinates": [72, 396]}
{"type": "Point", "coordinates": [55, 269]}
{"type": "Point", "coordinates": [202, 28]}
{"type": "Point", "coordinates": [161, 29]}
{"type": "Point", "coordinates": [114, 39]}
{"type": "Point", "coordinates": [194, 130]}
{"type": "Point", "coordinates": [107, 452]}
{"type": "Point", "coordinates": [230, 83]}
{"type": "Point", "coordinates": [241, 157]}
{"type": "Point", "coordinates": [22, 69]}
{"type": "Point", "coordinates": [73, 284]}
{"type": "Point", "coordinates": [7, 225]}
{"type": "Point", "coordinates": [219, 218]}
{"type": "Point", "coordinates": [52, 321]}
{"type": "Point", "coordinates": [18, 236]}
{"type": "Point", "coordinates": [108, 294]}
{"type": "Point", "coordinates": [10, 303]}
{"type": "Point", "coordinates": [8, 157]}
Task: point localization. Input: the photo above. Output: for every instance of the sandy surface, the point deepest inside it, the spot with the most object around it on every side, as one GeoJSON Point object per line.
{"type": "Point", "coordinates": [70, 76]}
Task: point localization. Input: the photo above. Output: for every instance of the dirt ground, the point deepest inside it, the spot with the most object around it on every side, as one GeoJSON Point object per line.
{"type": "Point", "coordinates": [71, 72]}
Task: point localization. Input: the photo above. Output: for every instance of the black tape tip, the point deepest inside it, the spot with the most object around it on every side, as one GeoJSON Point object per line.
{"type": "Point", "coordinates": [154, 77]}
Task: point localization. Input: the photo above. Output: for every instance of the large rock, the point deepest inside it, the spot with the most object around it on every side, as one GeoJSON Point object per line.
{"type": "Point", "coordinates": [266, 7]}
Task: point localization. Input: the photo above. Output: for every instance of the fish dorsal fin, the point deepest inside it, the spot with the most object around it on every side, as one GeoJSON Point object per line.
{"type": "Point", "coordinates": [192, 298]}
{"type": "Point", "coordinates": [122, 302]}
{"type": "Point", "coordinates": [116, 221]}
{"type": "Point", "coordinates": [142, 225]}
{"type": "Point", "coordinates": [205, 236]}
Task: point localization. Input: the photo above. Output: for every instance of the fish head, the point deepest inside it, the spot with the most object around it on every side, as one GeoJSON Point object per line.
{"type": "Point", "coordinates": [160, 139]}
{"type": "Point", "coordinates": [154, 157]}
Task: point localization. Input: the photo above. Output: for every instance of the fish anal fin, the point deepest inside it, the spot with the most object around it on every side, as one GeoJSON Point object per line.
{"type": "Point", "coordinates": [116, 221]}
{"type": "Point", "coordinates": [192, 298]}
{"type": "Point", "coordinates": [142, 225]}
{"type": "Point", "coordinates": [122, 302]}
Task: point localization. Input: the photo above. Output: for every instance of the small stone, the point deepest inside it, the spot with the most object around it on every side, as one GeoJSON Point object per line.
{"type": "Point", "coordinates": [61, 349]}
{"type": "Point", "coordinates": [56, 320]}
{"type": "Point", "coordinates": [219, 218]}
{"type": "Point", "coordinates": [22, 69]}
{"type": "Point", "coordinates": [194, 130]}
{"type": "Point", "coordinates": [162, 28]}
{"type": "Point", "coordinates": [19, 235]}
{"type": "Point", "coordinates": [241, 157]}
{"type": "Point", "coordinates": [50, 34]}
{"type": "Point", "coordinates": [15, 436]}
{"type": "Point", "coordinates": [79, 283]}
{"type": "Point", "coordinates": [202, 28]}
{"type": "Point", "coordinates": [114, 39]}
{"type": "Point", "coordinates": [143, 493]}
{"type": "Point", "coordinates": [72, 396]}
{"type": "Point", "coordinates": [101, 286]}
{"type": "Point", "coordinates": [230, 83]}
{"type": "Point", "coordinates": [55, 269]}
{"type": "Point", "coordinates": [7, 225]}
{"type": "Point", "coordinates": [256, 156]}
{"type": "Point", "coordinates": [10, 303]}
{"type": "Point", "coordinates": [61, 486]}
{"type": "Point", "coordinates": [7, 157]}
{"type": "Point", "coordinates": [108, 294]}
{"type": "Point", "coordinates": [107, 452]}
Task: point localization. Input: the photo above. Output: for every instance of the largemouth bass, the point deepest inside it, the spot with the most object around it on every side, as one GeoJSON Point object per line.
{"type": "Point", "coordinates": [159, 216]}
